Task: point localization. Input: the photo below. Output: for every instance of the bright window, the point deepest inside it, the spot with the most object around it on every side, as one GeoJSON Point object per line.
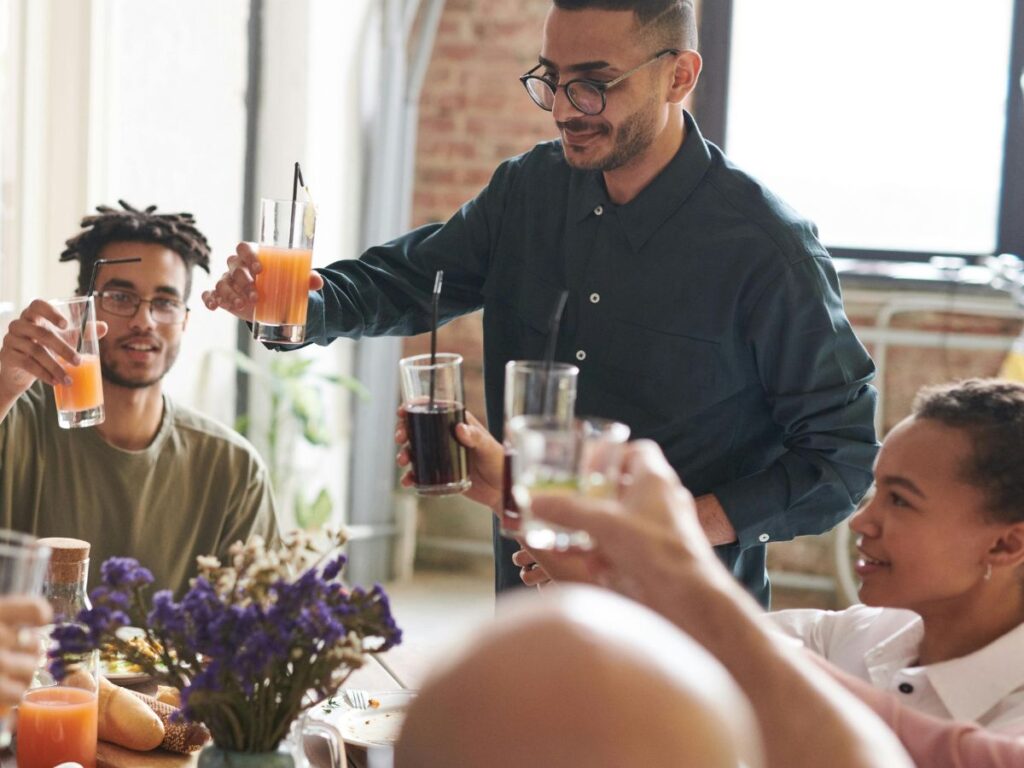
{"type": "Point", "coordinates": [884, 122]}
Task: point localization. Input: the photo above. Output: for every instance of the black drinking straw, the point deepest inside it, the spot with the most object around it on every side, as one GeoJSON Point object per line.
{"type": "Point", "coordinates": [549, 354]}
{"type": "Point", "coordinates": [92, 287]}
{"type": "Point", "coordinates": [296, 183]}
{"type": "Point", "coordinates": [438, 279]}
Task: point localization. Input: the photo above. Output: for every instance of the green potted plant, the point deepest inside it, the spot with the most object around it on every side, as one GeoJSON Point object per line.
{"type": "Point", "coordinates": [297, 412]}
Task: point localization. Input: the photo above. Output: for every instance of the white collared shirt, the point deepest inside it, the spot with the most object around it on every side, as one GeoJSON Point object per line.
{"type": "Point", "coordinates": [880, 645]}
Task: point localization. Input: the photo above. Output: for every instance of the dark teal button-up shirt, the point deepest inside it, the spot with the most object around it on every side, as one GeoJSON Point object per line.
{"type": "Point", "coordinates": [704, 314]}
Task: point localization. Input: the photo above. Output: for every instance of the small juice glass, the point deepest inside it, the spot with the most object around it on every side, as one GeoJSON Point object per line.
{"type": "Point", "coordinates": [80, 403]}
{"type": "Point", "coordinates": [58, 719]}
{"type": "Point", "coordinates": [286, 258]}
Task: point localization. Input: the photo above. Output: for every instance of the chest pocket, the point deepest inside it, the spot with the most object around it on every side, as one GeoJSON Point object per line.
{"type": "Point", "coordinates": [522, 305]}
{"type": "Point", "coordinates": [664, 374]}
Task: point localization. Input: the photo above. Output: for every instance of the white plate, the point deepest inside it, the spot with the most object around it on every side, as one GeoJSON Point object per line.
{"type": "Point", "coordinates": [124, 677]}
{"type": "Point", "coordinates": [373, 727]}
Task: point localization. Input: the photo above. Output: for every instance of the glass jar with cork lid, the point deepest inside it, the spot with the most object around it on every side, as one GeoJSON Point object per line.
{"type": "Point", "coordinates": [67, 576]}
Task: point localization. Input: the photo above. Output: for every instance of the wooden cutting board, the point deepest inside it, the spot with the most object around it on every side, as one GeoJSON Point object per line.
{"type": "Point", "coordinates": [113, 756]}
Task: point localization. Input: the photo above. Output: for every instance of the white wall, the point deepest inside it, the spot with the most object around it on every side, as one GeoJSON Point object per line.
{"type": "Point", "coordinates": [169, 120]}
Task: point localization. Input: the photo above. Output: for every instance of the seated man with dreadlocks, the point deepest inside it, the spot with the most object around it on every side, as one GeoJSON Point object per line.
{"type": "Point", "coordinates": [155, 481]}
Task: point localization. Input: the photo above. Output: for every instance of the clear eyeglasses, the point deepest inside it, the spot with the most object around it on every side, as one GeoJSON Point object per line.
{"type": "Point", "coordinates": [162, 309]}
{"type": "Point", "coordinates": [588, 96]}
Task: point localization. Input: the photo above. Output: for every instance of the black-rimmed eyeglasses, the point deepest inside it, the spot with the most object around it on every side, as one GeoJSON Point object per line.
{"type": "Point", "coordinates": [126, 303]}
{"type": "Point", "coordinates": [588, 96]}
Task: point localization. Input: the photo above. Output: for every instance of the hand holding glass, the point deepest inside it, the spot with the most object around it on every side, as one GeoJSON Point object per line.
{"type": "Point", "coordinates": [282, 284]}
{"type": "Point", "coordinates": [552, 457]}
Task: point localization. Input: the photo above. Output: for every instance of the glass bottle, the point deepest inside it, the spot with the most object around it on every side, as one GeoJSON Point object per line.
{"type": "Point", "coordinates": [65, 585]}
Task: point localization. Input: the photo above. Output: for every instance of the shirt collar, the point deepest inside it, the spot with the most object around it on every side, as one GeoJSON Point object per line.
{"type": "Point", "coordinates": [971, 685]}
{"type": "Point", "coordinates": [896, 652]}
{"type": "Point", "coordinates": [645, 213]}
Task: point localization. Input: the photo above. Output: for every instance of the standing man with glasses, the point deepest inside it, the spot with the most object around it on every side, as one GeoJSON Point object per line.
{"type": "Point", "coordinates": [702, 311]}
{"type": "Point", "coordinates": [156, 480]}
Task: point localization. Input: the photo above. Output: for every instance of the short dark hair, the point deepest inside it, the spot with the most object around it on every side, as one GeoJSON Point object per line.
{"type": "Point", "coordinates": [671, 23]}
{"type": "Point", "coordinates": [991, 411]}
{"type": "Point", "coordinates": [176, 231]}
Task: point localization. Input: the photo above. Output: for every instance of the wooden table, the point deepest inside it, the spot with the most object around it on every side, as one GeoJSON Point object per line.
{"type": "Point", "coordinates": [411, 661]}
{"type": "Point", "coordinates": [113, 756]}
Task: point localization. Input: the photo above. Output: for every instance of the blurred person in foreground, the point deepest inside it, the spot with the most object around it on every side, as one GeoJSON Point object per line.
{"type": "Point", "coordinates": [582, 677]}
{"type": "Point", "coordinates": [156, 481]}
{"type": "Point", "coordinates": [702, 311]}
{"type": "Point", "coordinates": [19, 651]}
{"type": "Point", "coordinates": [941, 542]}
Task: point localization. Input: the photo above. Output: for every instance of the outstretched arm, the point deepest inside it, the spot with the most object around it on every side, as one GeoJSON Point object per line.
{"type": "Point", "coordinates": [649, 546]}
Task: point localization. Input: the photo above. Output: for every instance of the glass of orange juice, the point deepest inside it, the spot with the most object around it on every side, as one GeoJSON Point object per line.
{"type": "Point", "coordinates": [58, 719]}
{"type": "Point", "coordinates": [80, 403]}
{"type": "Point", "coordinates": [286, 257]}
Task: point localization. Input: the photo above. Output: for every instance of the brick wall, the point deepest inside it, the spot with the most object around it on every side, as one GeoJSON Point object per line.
{"type": "Point", "coordinates": [473, 115]}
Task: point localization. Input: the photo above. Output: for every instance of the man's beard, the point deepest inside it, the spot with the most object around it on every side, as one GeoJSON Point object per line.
{"type": "Point", "coordinates": [632, 138]}
{"type": "Point", "coordinates": [114, 376]}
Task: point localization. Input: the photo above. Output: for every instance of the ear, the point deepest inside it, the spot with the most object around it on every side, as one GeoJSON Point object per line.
{"type": "Point", "coordinates": [1008, 549]}
{"type": "Point", "coordinates": [684, 76]}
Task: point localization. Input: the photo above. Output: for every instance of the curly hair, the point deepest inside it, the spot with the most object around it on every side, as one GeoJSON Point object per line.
{"type": "Point", "coordinates": [176, 231]}
{"type": "Point", "coordinates": [991, 411]}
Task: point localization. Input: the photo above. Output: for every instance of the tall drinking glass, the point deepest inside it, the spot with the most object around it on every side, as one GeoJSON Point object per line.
{"type": "Point", "coordinates": [80, 403]}
{"type": "Point", "coordinates": [58, 719]}
{"type": "Point", "coordinates": [583, 457]}
{"type": "Point", "coordinates": [533, 388]}
{"type": "Point", "coordinates": [286, 257]}
{"type": "Point", "coordinates": [432, 396]}
{"type": "Point", "coordinates": [23, 564]}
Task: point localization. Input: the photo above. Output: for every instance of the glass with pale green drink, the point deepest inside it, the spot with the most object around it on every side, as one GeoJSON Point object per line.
{"type": "Point", "coordinates": [554, 457]}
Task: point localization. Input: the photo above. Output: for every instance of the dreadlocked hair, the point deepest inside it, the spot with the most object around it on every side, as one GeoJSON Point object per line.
{"type": "Point", "coordinates": [176, 231]}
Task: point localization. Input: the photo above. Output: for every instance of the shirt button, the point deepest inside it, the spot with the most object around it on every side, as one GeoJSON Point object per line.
{"type": "Point", "coordinates": [599, 210]}
{"type": "Point", "coordinates": [595, 297]}
{"type": "Point", "coordinates": [906, 688]}
{"type": "Point", "coordinates": [763, 538]}
{"type": "Point", "coordinates": [581, 355]}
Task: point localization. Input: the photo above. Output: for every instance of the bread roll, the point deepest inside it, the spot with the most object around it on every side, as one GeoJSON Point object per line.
{"type": "Point", "coordinates": [125, 720]}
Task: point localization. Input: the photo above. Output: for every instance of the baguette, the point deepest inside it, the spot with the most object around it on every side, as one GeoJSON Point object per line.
{"type": "Point", "coordinates": [125, 720]}
{"type": "Point", "coordinates": [183, 737]}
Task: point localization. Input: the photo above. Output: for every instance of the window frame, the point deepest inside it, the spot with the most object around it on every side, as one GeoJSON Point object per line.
{"type": "Point", "coordinates": [711, 100]}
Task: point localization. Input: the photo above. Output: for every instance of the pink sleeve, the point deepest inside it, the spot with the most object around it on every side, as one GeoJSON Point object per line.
{"type": "Point", "coordinates": [933, 742]}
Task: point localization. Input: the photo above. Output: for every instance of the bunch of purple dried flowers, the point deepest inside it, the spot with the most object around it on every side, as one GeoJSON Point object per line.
{"type": "Point", "coordinates": [251, 644]}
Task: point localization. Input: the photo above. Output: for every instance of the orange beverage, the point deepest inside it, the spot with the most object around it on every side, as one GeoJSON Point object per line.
{"type": "Point", "coordinates": [56, 725]}
{"type": "Point", "coordinates": [283, 285]}
{"type": "Point", "coordinates": [86, 388]}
